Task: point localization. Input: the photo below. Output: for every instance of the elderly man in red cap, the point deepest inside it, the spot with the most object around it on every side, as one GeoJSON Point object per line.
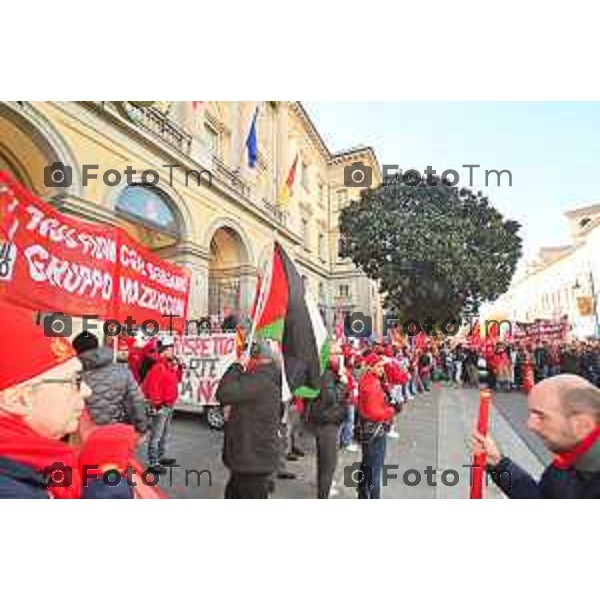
{"type": "Point", "coordinates": [42, 398]}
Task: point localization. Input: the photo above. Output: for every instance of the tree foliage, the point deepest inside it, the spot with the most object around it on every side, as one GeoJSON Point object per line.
{"type": "Point", "coordinates": [435, 250]}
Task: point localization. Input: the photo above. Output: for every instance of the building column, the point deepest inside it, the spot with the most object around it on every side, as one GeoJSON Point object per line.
{"type": "Point", "coordinates": [282, 151]}
{"type": "Point", "coordinates": [234, 160]}
{"type": "Point", "coordinates": [195, 259]}
{"type": "Point", "coordinates": [248, 279]}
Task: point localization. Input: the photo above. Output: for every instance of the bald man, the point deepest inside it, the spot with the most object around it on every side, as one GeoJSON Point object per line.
{"type": "Point", "coordinates": [564, 411]}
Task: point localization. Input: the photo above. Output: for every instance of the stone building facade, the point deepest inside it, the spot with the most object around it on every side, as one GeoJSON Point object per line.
{"type": "Point", "coordinates": [208, 211]}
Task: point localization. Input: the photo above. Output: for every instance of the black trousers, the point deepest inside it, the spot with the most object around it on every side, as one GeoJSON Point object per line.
{"type": "Point", "coordinates": [249, 486]}
{"type": "Point", "coordinates": [327, 447]}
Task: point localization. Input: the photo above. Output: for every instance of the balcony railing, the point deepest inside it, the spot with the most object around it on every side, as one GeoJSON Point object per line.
{"type": "Point", "coordinates": [152, 120]}
{"type": "Point", "coordinates": [234, 180]}
{"type": "Point", "coordinates": [274, 211]}
{"type": "Point", "coordinates": [231, 177]}
{"type": "Point", "coordinates": [157, 122]}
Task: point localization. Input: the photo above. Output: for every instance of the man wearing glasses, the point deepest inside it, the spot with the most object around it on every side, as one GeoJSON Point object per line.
{"type": "Point", "coordinates": [42, 397]}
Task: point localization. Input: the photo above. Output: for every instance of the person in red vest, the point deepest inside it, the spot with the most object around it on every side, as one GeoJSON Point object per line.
{"type": "Point", "coordinates": [141, 357]}
{"type": "Point", "coordinates": [161, 388]}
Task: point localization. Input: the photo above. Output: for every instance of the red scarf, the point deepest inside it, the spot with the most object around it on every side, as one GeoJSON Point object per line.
{"type": "Point", "coordinates": [18, 442]}
{"type": "Point", "coordinates": [566, 460]}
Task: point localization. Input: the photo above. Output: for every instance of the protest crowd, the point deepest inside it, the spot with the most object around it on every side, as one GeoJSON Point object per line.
{"type": "Point", "coordinates": [79, 419]}
{"type": "Point", "coordinates": [365, 386]}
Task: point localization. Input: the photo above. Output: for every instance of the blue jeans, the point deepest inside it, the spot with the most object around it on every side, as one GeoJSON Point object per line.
{"type": "Point", "coordinates": [159, 433]}
{"type": "Point", "coordinates": [373, 458]}
{"type": "Point", "coordinates": [412, 387]}
{"type": "Point", "coordinates": [347, 430]}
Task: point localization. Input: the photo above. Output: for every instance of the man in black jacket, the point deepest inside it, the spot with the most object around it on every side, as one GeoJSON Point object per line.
{"type": "Point", "coordinates": [251, 389]}
{"type": "Point", "coordinates": [565, 412]}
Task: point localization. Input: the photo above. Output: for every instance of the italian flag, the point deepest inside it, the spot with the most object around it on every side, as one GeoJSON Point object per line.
{"type": "Point", "coordinates": [284, 312]}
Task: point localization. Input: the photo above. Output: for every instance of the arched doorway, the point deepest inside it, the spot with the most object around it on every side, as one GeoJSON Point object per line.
{"type": "Point", "coordinates": [29, 144]}
{"type": "Point", "coordinates": [228, 264]}
{"type": "Point", "coordinates": [149, 216]}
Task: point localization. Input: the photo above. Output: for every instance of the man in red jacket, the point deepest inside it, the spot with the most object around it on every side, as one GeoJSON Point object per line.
{"type": "Point", "coordinates": [161, 388]}
{"type": "Point", "coordinates": [376, 415]}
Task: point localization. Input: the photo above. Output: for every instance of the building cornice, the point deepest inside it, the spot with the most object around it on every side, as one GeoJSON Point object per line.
{"type": "Point", "coordinates": [82, 208]}
{"type": "Point", "coordinates": [311, 130]}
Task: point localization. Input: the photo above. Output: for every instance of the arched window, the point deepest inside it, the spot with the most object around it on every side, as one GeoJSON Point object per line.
{"type": "Point", "coordinates": [152, 219]}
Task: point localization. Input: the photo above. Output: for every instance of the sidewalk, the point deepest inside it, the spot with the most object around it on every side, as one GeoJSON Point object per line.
{"type": "Point", "coordinates": [434, 432]}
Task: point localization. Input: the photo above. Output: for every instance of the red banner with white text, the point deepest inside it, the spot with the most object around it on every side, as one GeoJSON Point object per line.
{"type": "Point", "coordinates": [52, 262]}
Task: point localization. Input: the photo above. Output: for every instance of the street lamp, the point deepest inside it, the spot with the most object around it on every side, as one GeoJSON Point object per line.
{"type": "Point", "coordinates": [592, 287]}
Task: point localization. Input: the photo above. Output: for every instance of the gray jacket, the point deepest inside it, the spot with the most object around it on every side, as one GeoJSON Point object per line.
{"type": "Point", "coordinates": [116, 397]}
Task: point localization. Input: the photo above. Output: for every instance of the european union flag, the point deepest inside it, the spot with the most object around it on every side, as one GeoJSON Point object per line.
{"type": "Point", "coordinates": [252, 143]}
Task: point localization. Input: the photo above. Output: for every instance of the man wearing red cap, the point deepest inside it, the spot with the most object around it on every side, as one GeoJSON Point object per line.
{"type": "Point", "coordinates": [376, 414]}
{"type": "Point", "coordinates": [161, 388]}
{"type": "Point", "coordinates": [41, 401]}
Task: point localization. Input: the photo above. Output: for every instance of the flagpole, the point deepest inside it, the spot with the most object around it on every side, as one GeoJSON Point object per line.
{"type": "Point", "coordinates": [260, 300]}
{"type": "Point", "coordinates": [243, 147]}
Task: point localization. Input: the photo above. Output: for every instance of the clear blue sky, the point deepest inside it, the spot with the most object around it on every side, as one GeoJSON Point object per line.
{"type": "Point", "coordinates": [551, 148]}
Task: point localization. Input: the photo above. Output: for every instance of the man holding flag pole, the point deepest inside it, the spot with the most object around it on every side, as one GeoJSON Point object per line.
{"type": "Point", "coordinates": [564, 411]}
{"type": "Point", "coordinates": [254, 386]}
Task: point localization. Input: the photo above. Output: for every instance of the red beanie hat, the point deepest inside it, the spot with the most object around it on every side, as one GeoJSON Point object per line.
{"type": "Point", "coordinates": [29, 352]}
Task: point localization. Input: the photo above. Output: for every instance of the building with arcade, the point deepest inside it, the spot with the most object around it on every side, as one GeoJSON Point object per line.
{"type": "Point", "coordinates": [176, 176]}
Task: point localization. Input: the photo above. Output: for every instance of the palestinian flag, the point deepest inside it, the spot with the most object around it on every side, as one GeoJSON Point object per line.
{"type": "Point", "coordinates": [284, 312]}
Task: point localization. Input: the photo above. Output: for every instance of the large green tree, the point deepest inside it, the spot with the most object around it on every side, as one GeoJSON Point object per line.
{"type": "Point", "coordinates": [435, 250]}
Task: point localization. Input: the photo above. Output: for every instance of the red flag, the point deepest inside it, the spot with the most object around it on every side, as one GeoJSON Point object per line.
{"type": "Point", "coordinates": [421, 340]}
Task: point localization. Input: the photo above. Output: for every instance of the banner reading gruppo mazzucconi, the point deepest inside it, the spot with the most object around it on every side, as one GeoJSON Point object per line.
{"type": "Point", "coordinates": [56, 263]}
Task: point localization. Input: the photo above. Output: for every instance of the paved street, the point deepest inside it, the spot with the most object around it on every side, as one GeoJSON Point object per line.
{"type": "Point", "coordinates": [433, 432]}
